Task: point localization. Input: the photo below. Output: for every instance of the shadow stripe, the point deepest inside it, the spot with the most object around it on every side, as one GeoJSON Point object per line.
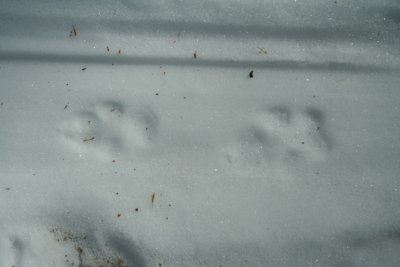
{"type": "Point", "coordinates": [190, 62]}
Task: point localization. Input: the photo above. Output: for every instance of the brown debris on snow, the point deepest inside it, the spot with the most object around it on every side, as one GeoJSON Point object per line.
{"type": "Point", "coordinates": [73, 32]}
{"type": "Point", "coordinates": [153, 198]}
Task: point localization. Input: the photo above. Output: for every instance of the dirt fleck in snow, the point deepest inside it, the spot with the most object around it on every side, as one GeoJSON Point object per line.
{"type": "Point", "coordinates": [251, 74]}
{"type": "Point", "coordinates": [73, 32]}
{"type": "Point", "coordinates": [153, 198]}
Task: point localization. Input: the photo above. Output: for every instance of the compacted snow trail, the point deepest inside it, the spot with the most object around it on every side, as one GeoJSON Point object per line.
{"type": "Point", "coordinates": [199, 133]}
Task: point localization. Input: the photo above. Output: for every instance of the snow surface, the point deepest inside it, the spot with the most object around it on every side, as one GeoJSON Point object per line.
{"type": "Point", "coordinates": [119, 148]}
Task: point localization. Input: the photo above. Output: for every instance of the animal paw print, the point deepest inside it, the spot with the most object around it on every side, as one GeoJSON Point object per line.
{"type": "Point", "coordinates": [281, 134]}
{"type": "Point", "coordinates": [110, 128]}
